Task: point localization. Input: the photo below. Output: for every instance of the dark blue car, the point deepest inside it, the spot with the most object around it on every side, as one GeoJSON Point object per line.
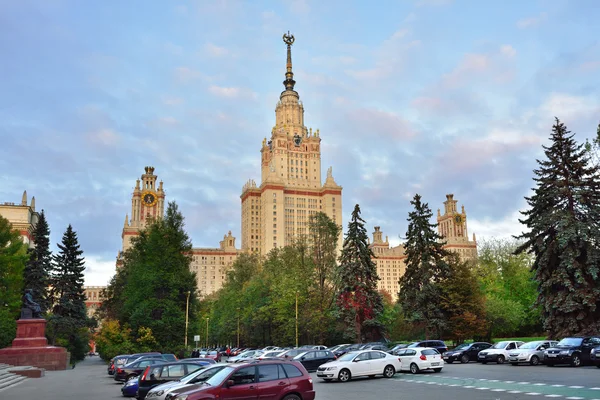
{"type": "Point", "coordinates": [130, 388]}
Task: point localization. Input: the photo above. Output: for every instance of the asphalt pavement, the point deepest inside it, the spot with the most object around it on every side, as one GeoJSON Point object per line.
{"type": "Point", "coordinates": [90, 381]}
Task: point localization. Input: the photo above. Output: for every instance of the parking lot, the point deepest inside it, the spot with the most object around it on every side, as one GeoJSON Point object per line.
{"type": "Point", "coordinates": [457, 381]}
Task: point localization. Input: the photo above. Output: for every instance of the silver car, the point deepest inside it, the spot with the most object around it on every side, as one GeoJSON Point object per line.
{"type": "Point", "coordinates": [530, 352]}
{"type": "Point", "coordinates": [190, 382]}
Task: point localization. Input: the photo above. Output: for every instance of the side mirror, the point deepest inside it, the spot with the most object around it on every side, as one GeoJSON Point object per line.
{"type": "Point", "coordinates": [229, 383]}
{"type": "Point", "coordinates": [542, 347]}
{"type": "Point", "coordinates": [302, 358]}
{"type": "Point", "coordinates": [356, 359]}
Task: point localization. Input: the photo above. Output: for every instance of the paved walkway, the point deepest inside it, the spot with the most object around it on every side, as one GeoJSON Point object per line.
{"type": "Point", "coordinates": [88, 381]}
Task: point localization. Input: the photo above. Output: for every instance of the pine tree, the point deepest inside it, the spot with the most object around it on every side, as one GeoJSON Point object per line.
{"type": "Point", "coordinates": [358, 301]}
{"type": "Point", "coordinates": [67, 278]}
{"type": "Point", "coordinates": [37, 270]}
{"type": "Point", "coordinates": [426, 268]}
{"type": "Point", "coordinates": [564, 233]}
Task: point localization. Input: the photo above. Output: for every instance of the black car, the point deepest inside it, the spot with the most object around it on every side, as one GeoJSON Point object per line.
{"type": "Point", "coordinates": [376, 346]}
{"type": "Point", "coordinates": [137, 357]}
{"type": "Point", "coordinates": [346, 348]}
{"type": "Point", "coordinates": [574, 351]}
{"type": "Point", "coordinates": [312, 359]}
{"type": "Point", "coordinates": [439, 345]}
{"type": "Point", "coordinates": [465, 352]}
{"type": "Point", "coordinates": [161, 373]}
{"type": "Point", "coordinates": [128, 371]}
{"type": "Point", "coordinates": [595, 356]}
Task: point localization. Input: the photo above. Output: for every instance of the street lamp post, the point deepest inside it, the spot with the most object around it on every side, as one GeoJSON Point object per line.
{"type": "Point", "coordinates": [187, 310]}
{"type": "Point", "coordinates": [207, 333]}
{"type": "Point", "coordinates": [238, 330]}
{"type": "Point", "coordinates": [296, 318]}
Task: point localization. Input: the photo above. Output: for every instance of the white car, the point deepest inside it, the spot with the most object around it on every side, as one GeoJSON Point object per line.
{"type": "Point", "coordinates": [499, 352]}
{"type": "Point", "coordinates": [415, 359]}
{"type": "Point", "coordinates": [360, 363]}
{"type": "Point", "coordinates": [245, 356]}
{"type": "Point", "coordinates": [530, 352]}
{"type": "Point", "coordinates": [188, 382]}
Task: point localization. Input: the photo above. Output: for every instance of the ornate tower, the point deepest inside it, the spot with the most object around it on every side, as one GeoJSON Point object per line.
{"type": "Point", "coordinates": [147, 203]}
{"type": "Point", "coordinates": [278, 210]}
{"type": "Point", "coordinates": [452, 225]}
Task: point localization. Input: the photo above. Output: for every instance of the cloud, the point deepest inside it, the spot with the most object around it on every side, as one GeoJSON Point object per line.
{"type": "Point", "coordinates": [570, 108]}
{"type": "Point", "coordinates": [98, 270]}
{"type": "Point", "coordinates": [470, 65]}
{"type": "Point", "coordinates": [232, 92]}
{"type": "Point", "coordinates": [215, 51]}
{"type": "Point", "coordinates": [299, 6]}
{"type": "Point", "coordinates": [380, 123]}
{"type": "Point", "coordinates": [508, 50]}
{"type": "Point", "coordinates": [432, 3]}
{"type": "Point", "coordinates": [531, 21]}
{"type": "Point", "coordinates": [172, 101]}
{"type": "Point", "coordinates": [104, 137]}
{"type": "Point", "coordinates": [186, 74]}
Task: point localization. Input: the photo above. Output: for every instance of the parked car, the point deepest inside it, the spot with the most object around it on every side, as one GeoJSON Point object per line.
{"type": "Point", "coordinates": [291, 353]}
{"type": "Point", "coordinates": [360, 363]}
{"type": "Point", "coordinates": [116, 362]}
{"type": "Point", "coordinates": [376, 346]}
{"type": "Point", "coordinates": [273, 379]}
{"type": "Point", "coordinates": [312, 359]}
{"type": "Point", "coordinates": [465, 352]}
{"type": "Point", "coordinates": [128, 371]}
{"type": "Point", "coordinates": [498, 352]}
{"type": "Point", "coordinates": [155, 375]}
{"type": "Point", "coordinates": [439, 345]}
{"type": "Point", "coordinates": [187, 383]}
{"type": "Point", "coordinates": [213, 355]}
{"type": "Point", "coordinates": [397, 347]}
{"type": "Point", "coordinates": [245, 356]}
{"type": "Point", "coordinates": [595, 356]}
{"type": "Point", "coordinates": [574, 351]}
{"type": "Point", "coordinates": [269, 354]}
{"type": "Point", "coordinates": [416, 359]}
{"type": "Point", "coordinates": [530, 352]}
{"type": "Point", "coordinates": [165, 357]}
{"type": "Point", "coordinates": [206, 360]}
{"type": "Point", "coordinates": [130, 388]}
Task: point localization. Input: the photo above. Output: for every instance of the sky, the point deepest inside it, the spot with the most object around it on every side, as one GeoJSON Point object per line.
{"type": "Point", "coordinates": [423, 96]}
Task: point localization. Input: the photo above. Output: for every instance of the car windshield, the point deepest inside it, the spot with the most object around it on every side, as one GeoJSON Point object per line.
{"type": "Point", "coordinates": [462, 346]}
{"type": "Point", "coordinates": [570, 341]}
{"type": "Point", "coordinates": [220, 376]}
{"type": "Point", "coordinates": [415, 344]}
{"type": "Point", "coordinates": [500, 345]}
{"type": "Point", "coordinates": [202, 375]}
{"type": "Point", "coordinates": [347, 357]}
{"type": "Point", "coordinates": [530, 345]}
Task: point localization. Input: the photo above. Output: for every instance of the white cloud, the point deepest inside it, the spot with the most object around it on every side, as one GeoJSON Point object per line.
{"type": "Point", "coordinates": [531, 21]}
{"type": "Point", "coordinates": [172, 101]}
{"type": "Point", "coordinates": [215, 51]}
{"type": "Point", "coordinates": [299, 6]}
{"type": "Point", "coordinates": [569, 107]}
{"type": "Point", "coordinates": [231, 92]}
{"type": "Point", "coordinates": [432, 3]}
{"type": "Point", "coordinates": [105, 137]}
{"type": "Point", "coordinates": [508, 50]}
{"type": "Point", "coordinates": [98, 271]}
{"type": "Point", "coordinates": [488, 228]}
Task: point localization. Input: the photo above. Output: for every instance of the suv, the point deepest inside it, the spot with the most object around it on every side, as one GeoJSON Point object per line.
{"type": "Point", "coordinates": [571, 350]}
{"type": "Point", "coordinates": [439, 345]}
{"type": "Point", "coordinates": [286, 380]}
{"type": "Point", "coordinates": [499, 352]}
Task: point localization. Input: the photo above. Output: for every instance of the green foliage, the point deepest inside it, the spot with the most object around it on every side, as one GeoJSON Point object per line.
{"type": "Point", "coordinates": [13, 256]}
{"type": "Point", "coordinates": [503, 315]}
{"type": "Point", "coordinates": [39, 265]}
{"type": "Point", "coordinates": [563, 236]}
{"type": "Point", "coordinates": [71, 333]}
{"type": "Point", "coordinates": [8, 327]}
{"type": "Point", "coordinates": [358, 301]}
{"type": "Point", "coordinates": [113, 339]}
{"type": "Point", "coordinates": [426, 268]}
{"type": "Point", "coordinates": [151, 288]}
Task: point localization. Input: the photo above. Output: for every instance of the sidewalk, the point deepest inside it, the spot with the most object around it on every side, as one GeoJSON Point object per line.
{"type": "Point", "coordinates": [89, 380]}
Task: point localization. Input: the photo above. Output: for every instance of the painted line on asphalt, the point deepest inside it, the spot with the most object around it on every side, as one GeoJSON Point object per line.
{"type": "Point", "coordinates": [554, 395]}
{"type": "Point", "coordinates": [533, 394]}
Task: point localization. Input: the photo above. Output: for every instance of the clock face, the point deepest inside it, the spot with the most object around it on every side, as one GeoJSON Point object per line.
{"type": "Point", "coordinates": [457, 219]}
{"type": "Point", "coordinates": [149, 199]}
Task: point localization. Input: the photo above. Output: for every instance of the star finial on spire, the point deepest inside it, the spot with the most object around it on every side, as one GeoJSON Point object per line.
{"type": "Point", "coordinates": [289, 82]}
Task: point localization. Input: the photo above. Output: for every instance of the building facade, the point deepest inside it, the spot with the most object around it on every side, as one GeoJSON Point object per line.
{"type": "Point", "coordinates": [93, 298]}
{"type": "Point", "coordinates": [390, 261]}
{"type": "Point", "coordinates": [277, 210]}
{"type": "Point", "coordinates": [22, 217]}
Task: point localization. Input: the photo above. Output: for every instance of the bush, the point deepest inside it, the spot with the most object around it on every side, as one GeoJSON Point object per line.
{"type": "Point", "coordinates": [8, 328]}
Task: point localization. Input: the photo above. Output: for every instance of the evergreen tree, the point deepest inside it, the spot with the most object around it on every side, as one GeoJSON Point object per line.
{"type": "Point", "coordinates": [564, 233]}
{"type": "Point", "coordinates": [67, 278]}
{"type": "Point", "coordinates": [358, 300]}
{"type": "Point", "coordinates": [426, 267]}
{"type": "Point", "coordinates": [39, 266]}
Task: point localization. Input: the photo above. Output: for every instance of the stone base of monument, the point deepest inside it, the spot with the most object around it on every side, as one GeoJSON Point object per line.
{"type": "Point", "coordinates": [30, 347]}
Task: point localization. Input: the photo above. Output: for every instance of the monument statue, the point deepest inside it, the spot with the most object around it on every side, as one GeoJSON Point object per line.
{"type": "Point", "coordinates": [30, 309]}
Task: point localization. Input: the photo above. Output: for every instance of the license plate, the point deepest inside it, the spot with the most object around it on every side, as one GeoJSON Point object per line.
{"type": "Point", "coordinates": [551, 355]}
{"type": "Point", "coordinates": [445, 357]}
{"type": "Point", "coordinates": [434, 364]}
{"type": "Point", "coordinates": [481, 356]}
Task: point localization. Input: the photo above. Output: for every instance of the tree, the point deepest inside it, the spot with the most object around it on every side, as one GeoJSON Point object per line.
{"type": "Point", "coordinates": [563, 222]}
{"type": "Point", "coordinates": [358, 301]}
{"type": "Point", "coordinates": [426, 267]}
{"type": "Point", "coordinates": [68, 326]}
{"type": "Point", "coordinates": [158, 280]}
{"type": "Point", "coordinates": [39, 266]}
{"type": "Point", "coordinates": [13, 256]}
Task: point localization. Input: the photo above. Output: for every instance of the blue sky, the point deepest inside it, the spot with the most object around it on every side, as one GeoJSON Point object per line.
{"type": "Point", "coordinates": [424, 96]}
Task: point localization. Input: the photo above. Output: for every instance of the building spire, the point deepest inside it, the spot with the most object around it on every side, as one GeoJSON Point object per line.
{"type": "Point", "coordinates": [289, 75]}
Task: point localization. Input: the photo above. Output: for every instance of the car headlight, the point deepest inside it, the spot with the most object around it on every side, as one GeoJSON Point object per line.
{"type": "Point", "coordinates": [565, 352]}
{"type": "Point", "coordinates": [181, 397]}
{"type": "Point", "coordinates": [331, 368]}
{"type": "Point", "coordinates": [131, 382]}
{"type": "Point", "coordinates": [159, 393]}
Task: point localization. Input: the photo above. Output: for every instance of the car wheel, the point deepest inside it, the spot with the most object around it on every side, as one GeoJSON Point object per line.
{"type": "Point", "coordinates": [500, 359]}
{"type": "Point", "coordinates": [389, 371]}
{"type": "Point", "coordinates": [484, 362]}
{"type": "Point", "coordinates": [464, 359]}
{"type": "Point", "coordinates": [414, 369]}
{"type": "Point", "coordinates": [292, 397]}
{"type": "Point", "coordinates": [535, 360]}
{"type": "Point", "coordinates": [575, 360]}
{"type": "Point", "coordinates": [437, 370]}
{"type": "Point", "coordinates": [597, 365]}
{"type": "Point", "coordinates": [344, 375]}
{"type": "Point", "coordinates": [515, 364]}
{"type": "Point", "coordinates": [549, 365]}
{"type": "Point", "coordinates": [449, 361]}
{"type": "Point", "coordinates": [130, 376]}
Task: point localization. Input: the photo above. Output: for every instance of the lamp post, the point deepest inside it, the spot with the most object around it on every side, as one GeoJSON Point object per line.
{"type": "Point", "coordinates": [296, 319]}
{"type": "Point", "coordinates": [238, 330]}
{"type": "Point", "coordinates": [187, 313]}
{"type": "Point", "coordinates": [207, 333]}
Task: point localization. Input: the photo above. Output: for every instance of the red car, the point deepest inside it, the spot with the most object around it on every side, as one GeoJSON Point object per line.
{"type": "Point", "coordinates": [272, 379]}
{"type": "Point", "coordinates": [213, 355]}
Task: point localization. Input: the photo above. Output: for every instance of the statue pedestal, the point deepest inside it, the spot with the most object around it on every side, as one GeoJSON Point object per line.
{"type": "Point", "coordinates": [30, 347]}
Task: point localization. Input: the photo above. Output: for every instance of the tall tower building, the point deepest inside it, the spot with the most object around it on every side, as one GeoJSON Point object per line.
{"type": "Point", "coordinates": [277, 210]}
{"type": "Point", "coordinates": [452, 225]}
{"type": "Point", "coordinates": [147, 203]}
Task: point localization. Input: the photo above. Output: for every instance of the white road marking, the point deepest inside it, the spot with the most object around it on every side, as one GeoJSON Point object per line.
{"type": "Point", "coordinates": [523, 383]}
{"type": "Point", "coordinates": [575, 387]}
{"type": "Point", "coordinates": [554, 395]}
{"type": "Point", "coordinates": [469, 387]}
{"type": "Point", "coordinates": [483, 388]}
{"type": "Point", "coordinates": [509, 381]}
{"type": "Point", "coordinates": [498, 390]}
{"type": "Point", "coordinates": [558, 385]}
{"type": "Point", "coordinates": [533, 394]}
{"type": "Point", "coordinates": [539, 384]}
{"type": "Point", "coordinates": [595, 388]}
{"type": "Point", "coordinates": [574, 398]}
{"type": "Point", "coordinates": [514, 391]}
{"type": "Point", "coordinates": [494, 380]}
